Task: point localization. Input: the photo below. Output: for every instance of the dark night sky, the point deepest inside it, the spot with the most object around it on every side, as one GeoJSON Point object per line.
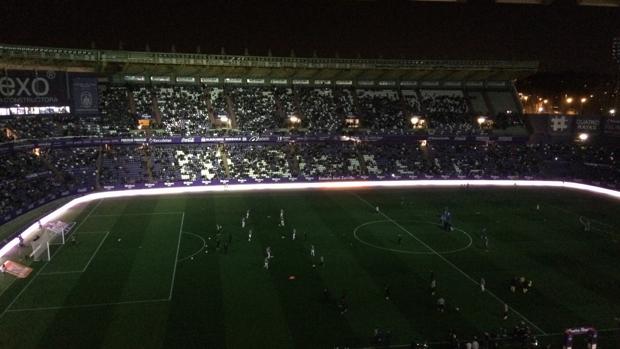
{"type": "Point", "coordinates": [562, 37]}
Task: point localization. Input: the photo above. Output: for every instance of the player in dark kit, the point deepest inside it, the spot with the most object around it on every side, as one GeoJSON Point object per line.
{"type": "Point", "coordinates": [386, 292]}
{"type": "Point", "coordinates": [326, 296]}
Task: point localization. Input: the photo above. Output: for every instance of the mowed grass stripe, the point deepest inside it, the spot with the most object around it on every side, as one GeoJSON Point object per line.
{"type": "Point", "coordinates": [196, 313]}
{"type": "Point", "coordinates": [545, 254]}
{"type": "Point", "coordinates": [253, 312]}
{"type": "Point", "coordinates": [409, 277]}
{"type": "Point", "coordinates": [110, 276]}
{"type": "Point", "coordinates": [230, 301]}
{"type": "Point", "coordinates": [313, 321]}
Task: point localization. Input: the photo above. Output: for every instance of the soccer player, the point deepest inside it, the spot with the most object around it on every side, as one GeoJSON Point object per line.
{"type": "Point", "coordinates": [281, 214]}
{"type": "Point", "coordinates": [268, 251]}
{"type": "Point", "coordinates": [294, 233]}
{"type": "Point", "coordinates": [386, 292]}
{"type": "Point", "coordinates": [448, 221]}
{"type": "Point", "coordinates": [441, 304]}
{"type": "Point", "coordinates": [342, 304]}
{"type": "Point", "coordinates": [377, 209]}
{"type": "Point", "coordinates": [281, 221]}
{"type": "Point", "coordinates": [343, 308]}
{"type": "Point", "coordinates": [247, 214]}
{"type": "Point", "coordinates": [266, 263]}
{"type": "Point", "coordinates": [475, 344]}
{"type": "Point", "coordinates": [483, 284]}
{"type": "Point", "coordinates": [242, 222]}
{"type": "Point", "coordinates": [523, 284]}
{"type": "Point", "coordinates": [433, 287]}
{"type": "Point", "coordinates": [506, 310]}
{"type": "Point", "coordinates": [513, 284]}
{"type": "Point", "coordinates": [250, 235]}
{"type": "Point", "coordinates": [312, 250]}
{"type": "Point", "coordinates": [321, 261]}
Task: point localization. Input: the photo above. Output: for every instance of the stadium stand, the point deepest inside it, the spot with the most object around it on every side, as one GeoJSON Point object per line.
{"type": "Point", "coordinates": [216, 130]}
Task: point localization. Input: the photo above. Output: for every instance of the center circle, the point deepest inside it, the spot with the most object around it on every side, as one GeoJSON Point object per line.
{"type": "Point", "coordinates": [361, 234]}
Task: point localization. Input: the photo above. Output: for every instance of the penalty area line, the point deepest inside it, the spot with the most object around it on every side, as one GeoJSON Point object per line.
{"type": "Point", "coordinates": [47, 262]}
{"type": "Point", "coordinates": [204, 244]}
{"type": "Point", "coordinates": [139, 214]}
{"type": "Point", "coordinates": [448, 262]}
{"type": "Point", "coordinates": [78, 306]}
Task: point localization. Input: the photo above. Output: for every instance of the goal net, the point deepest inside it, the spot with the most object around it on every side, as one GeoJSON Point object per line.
{"type": "Point", "coordinates": [52, 233]}
{"type": "Point", "coordinates": [41, 246]}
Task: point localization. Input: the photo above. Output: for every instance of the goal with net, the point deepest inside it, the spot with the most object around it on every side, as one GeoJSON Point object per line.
{"type": "Point", "coordinates": [52, 233]}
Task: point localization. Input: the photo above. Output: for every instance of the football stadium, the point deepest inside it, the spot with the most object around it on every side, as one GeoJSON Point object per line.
{"type": "Point", "coordinates": [190, 200]}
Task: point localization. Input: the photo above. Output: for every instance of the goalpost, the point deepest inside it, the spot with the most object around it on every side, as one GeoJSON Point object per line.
{"type": "Point", "coordinates": [41, 246]}
{"type": "Point", "coordinates": [53, 233]}
{"type": "Point", "coordinates": [590, 333]}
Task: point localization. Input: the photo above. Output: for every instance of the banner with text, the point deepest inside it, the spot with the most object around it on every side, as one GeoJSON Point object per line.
{"type": "Point", "coordinates": [31, 88]}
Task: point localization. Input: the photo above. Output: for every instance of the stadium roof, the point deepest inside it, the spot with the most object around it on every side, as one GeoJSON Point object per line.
{"type": "Point", "coordinates": [230, 66]}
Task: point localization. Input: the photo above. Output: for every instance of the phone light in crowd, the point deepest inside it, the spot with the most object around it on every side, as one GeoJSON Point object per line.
{"type": "Point", "coordinates": [481, 120]}
{"type": "Point", "coordinates": [569, 100]}
{"type": "Point", "coordinates": [223, 118]}
{"type": "Point", "coordinates": [583, 100]}
{"type": "Point", "coordinates": [583, 137]}
{"type": "Point", "coordinates": [612, 112]}
{"type": "Point", "coordinates": [541, 109]}
{"type": "Point", "coordinates": [415, 120]}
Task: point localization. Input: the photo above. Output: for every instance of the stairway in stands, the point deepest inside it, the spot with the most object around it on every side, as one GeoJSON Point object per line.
{"type": "Point", "coordinates": [224, 155]}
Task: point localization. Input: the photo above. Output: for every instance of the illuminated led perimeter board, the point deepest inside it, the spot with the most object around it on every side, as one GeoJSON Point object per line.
{"type": "Point", "coordinates": [31, 230]}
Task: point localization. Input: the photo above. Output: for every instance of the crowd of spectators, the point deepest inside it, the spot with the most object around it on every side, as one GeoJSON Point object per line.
{"type": "Point", "coordinates": [318, 108]}
{"type": "Point", "coordinates": [198, 110]}
{"type": "Point", "coordinates": [257, 161]}
{"type": "Point", "coordinates": [255, 109]}
{"type": "Point", "coordinates": [29, 176]}
{"type": "Point", "coordinates": [381, 110]}
{"type": "Point", "coordinates": [124, 165]}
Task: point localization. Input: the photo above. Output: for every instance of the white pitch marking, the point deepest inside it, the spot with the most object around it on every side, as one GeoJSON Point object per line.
{"type": "Point", "coordinates": [87, 305]}
{"type": "Point", "coordinates": [31, 230]}
{"type": "Point", "coordinates": [471, 241]}
{"type": "Point", "coordinates": [449, 263]}
{"type": "Point", "coordinates": [204, 244]}
{"type": "Point", "coordinates": [137, 214]}
{"type": "Point", "coordinates": [96, 250]}
{"type": "Point", "coordinates": [176, 259]}
{"type": "Point", "coordinates": [46, 263]}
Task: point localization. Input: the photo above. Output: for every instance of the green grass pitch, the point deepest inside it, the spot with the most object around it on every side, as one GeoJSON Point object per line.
{"type": "Point", "coordinates": [145, 272]}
